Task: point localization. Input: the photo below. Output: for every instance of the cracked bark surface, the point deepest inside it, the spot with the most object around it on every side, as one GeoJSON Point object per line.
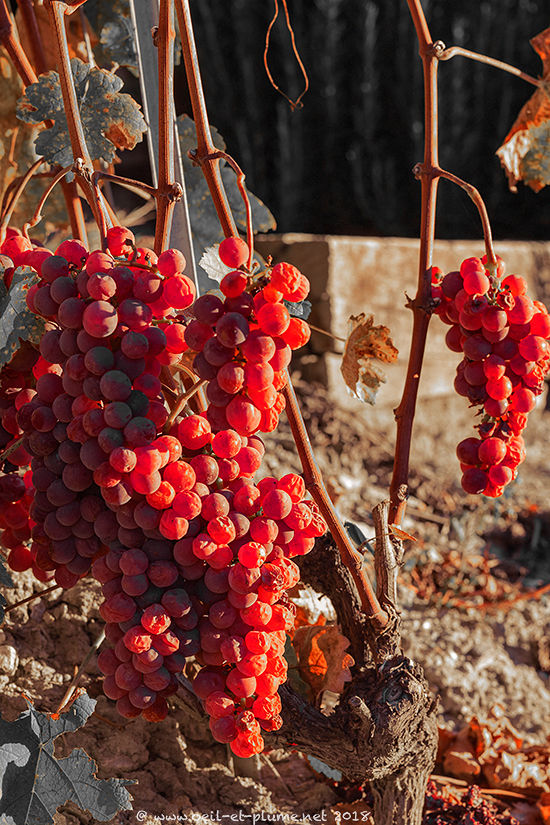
{"type": "Point", "coordinates": [384, 728]}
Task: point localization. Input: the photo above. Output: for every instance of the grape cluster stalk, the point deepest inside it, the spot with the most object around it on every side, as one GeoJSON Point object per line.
{"type": "Point", "coordinates": [193, 553]}
{"type": "Point", "coordinates": [503, 336]}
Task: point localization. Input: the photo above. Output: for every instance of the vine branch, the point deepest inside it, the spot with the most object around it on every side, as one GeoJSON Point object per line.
{"type": "Point", "coordinates": [404, 414]}
{"type": "Point", "coordinates": [205, 144]}
{"type": "Point", "coordinates": [164, 38]}
{"type": "Point", "coordinates": [58, 10]}
{"type": "Point", "coordinates": [13, 47]}
{"type": "Point", "coordinates": [313, 478]}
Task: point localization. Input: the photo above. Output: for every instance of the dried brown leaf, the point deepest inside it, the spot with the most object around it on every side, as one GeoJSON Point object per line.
{"type": "Point", "coordinates": [322, 658]}
{"type": "Point", "coordinates": [366, 346]}
{"type": "Point", "coordinates": [524, 153]}
{"type": "Point", "coordinates": [492, 747]}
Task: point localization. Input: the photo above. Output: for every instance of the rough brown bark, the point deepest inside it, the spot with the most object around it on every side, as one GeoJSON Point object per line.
{"type": "Point", "coordinates": [383, 730]}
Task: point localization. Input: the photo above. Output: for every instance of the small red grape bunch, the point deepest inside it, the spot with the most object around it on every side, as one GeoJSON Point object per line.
{"type": "Point", "coordinates": [503, 336]}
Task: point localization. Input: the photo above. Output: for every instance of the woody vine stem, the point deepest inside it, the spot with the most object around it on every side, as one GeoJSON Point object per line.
{"type": "Point", "coordinates": [429, 172]}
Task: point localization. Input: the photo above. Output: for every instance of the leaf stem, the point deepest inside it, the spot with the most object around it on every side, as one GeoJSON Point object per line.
{"type": "Point", "coordinates": [33, 32]}
{"type": "Point", "coordinates": [76, 679]}
{"type": "Point", "coordinates": [443, 53]}
{"type": "Point", "coordinates": [428, 172]}
{"type": "Point", "coordinates": [127, 182]}
{"type": "Point", "coordinates": [33, 597]}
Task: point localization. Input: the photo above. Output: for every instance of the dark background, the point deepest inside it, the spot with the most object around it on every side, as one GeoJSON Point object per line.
{"type": "Point", "coordinates": [342, 164]}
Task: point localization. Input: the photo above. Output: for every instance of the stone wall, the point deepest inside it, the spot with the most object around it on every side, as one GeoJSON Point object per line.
{"type": "Point", "coordinates": [350, 275]}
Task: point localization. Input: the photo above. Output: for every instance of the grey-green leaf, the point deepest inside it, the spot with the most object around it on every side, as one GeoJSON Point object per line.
{"type": "Point", "coordinates": [111, 120]}
{"type": "Point", "coordinates": [34, 783]}
{"type": "Point", "coordinates": [17, 322]}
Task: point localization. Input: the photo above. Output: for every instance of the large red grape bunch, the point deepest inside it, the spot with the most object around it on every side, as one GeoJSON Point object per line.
{"type": "Point", "coordinates": [193, 556]}
{"type": "Point", "coordinates": [244, 341]}
{"type": "Point", "coordinates": [503, 335]}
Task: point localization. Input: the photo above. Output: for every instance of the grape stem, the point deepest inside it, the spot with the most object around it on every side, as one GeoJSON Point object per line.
{"type": "Point", "coordinates": [181, 401]}
{"type": "Point", "coordinates": [446, 53]}
{"type": "Point", "coordinates": [475, 196]}
{"type": "Point", "coordinates": [33, 597]}
{"type": "Point", "coordinates": [76, 679]}
{"type": "Point", "coordinates": [37, 217]}
{"type": "Point", "coordinates": [242, 189]}
{"type": "Point", "coordinates": [11, 448]}
{"type": "Point", "coordinates": [18, 191]}
{"type": "Point", "coordinates": [313, 477]}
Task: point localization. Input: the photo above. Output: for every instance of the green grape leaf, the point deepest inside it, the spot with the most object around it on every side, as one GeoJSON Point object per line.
{"type": "Point", "coordinates": [205, 225]}
{"type": "Point", "coordinates": [17, 322]}
{"type": "Point", "coordinates": [35, 783]}
{"type": "Point", "coordinates": [110, 120]}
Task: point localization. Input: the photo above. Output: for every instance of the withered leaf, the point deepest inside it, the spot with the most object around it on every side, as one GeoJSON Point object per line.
{"type": "Point", "coordinates": [492, 747]}
{"type": "Point", "coordinates": [366, 346]}
{"type": "Point", "coordinates": [524, 153]}
{"type": "Point", "coordinates": [322, 658]}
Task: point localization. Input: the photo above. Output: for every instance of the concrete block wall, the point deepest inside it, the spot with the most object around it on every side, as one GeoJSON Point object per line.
{"type": "Point", "coordinates": [350, 275]}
